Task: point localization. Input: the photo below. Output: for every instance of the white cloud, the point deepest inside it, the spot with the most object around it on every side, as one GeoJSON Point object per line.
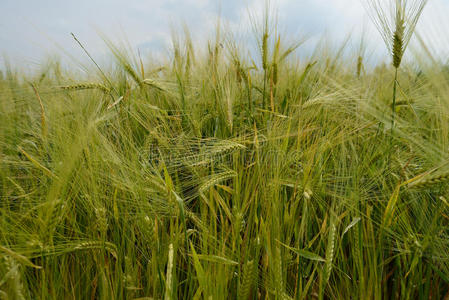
{"type": "Point", "coordinates": [36, 27]}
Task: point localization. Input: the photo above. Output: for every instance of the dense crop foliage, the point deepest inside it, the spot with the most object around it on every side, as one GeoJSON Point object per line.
{"type": "Point", "coordinates": [218, 175]}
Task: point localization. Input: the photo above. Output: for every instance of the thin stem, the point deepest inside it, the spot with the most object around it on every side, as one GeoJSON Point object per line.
{"type": "Point", "coordinates": [393, 107]}
{"type": "Point", "coordinates": [264, 87]}
{"type": "Point", "coordinates": [91, 58]}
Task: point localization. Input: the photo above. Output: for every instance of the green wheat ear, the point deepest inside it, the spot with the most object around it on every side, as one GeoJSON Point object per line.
{"type": "Point", "coordinates": [86, 86]}
{"type": "Point", "coordinates": [265, 51]}
{"type": "Point", "coordinates": [398, 44]}
{"type": "Point", "coordinates": [359, 65]}
{"type": "Point", "coordinates": [247, 280]}
{"type": "Point", "coordinates": [431, 181]}
{"type": "Point", "coordinates": [396, 21]}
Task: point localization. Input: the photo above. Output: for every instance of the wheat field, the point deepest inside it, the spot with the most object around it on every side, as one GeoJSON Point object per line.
{"type": "Point", "coordinates": [226, 173]}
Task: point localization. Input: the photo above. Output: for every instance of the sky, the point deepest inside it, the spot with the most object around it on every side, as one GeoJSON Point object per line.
{"type": "Point", "coordinates": [32, 30]}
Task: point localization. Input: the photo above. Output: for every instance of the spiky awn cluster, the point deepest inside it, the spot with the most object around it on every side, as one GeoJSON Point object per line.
{"type": "Point", "coordinates": [396, 21]}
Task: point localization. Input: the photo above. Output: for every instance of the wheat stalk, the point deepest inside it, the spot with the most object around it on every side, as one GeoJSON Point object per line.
{"type": "Point", "coordinates": [396, 21]}
{"type": "Point", "coordinates": [15, 278]}
{"type": "Point", "coordinates": [247, 280]}
{"type": "Point", "coordinates": [330, 250]}
{"type": "Point", "coordinates": [168, 282]}
{"type": "Point", "coordinates": [431, 181]}
{"type": "Point", "coordinates": [110, 247]}
{"type": "Point", "coordinates": [43, 120]}
{"type": "Point", "coordinates": [213, 180]}
{"type": "Point", "coordinates": [86, 86]}
{"type": "Point", "coordinates": [265, 51]}
{"type": "Point", "coordinates": [278, 280]}
{"type": "Point", "coordinates": [153, 83]}
{"type": "Point", "coordinates": [359, 66]}
{"type": "Point", "coordinates": [151, 229]}
{"type": "Point", "coordinates": [130, 70]}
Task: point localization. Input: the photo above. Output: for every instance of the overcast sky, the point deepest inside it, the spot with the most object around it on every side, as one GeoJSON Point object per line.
{"type": "Point", "coordinates": [33, 29]}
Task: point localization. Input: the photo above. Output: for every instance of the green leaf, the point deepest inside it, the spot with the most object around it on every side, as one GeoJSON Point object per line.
{"type": "Point", "coordinates": [304, 253]}
{"type": "Point", "coordinates": [217, 259]}
{"type": "Point", "coordinates": [18, 257]}
{"type": "Point", "coordinates": [198, 268]}
{"type": "Point", "coordinates": [352, 224]}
